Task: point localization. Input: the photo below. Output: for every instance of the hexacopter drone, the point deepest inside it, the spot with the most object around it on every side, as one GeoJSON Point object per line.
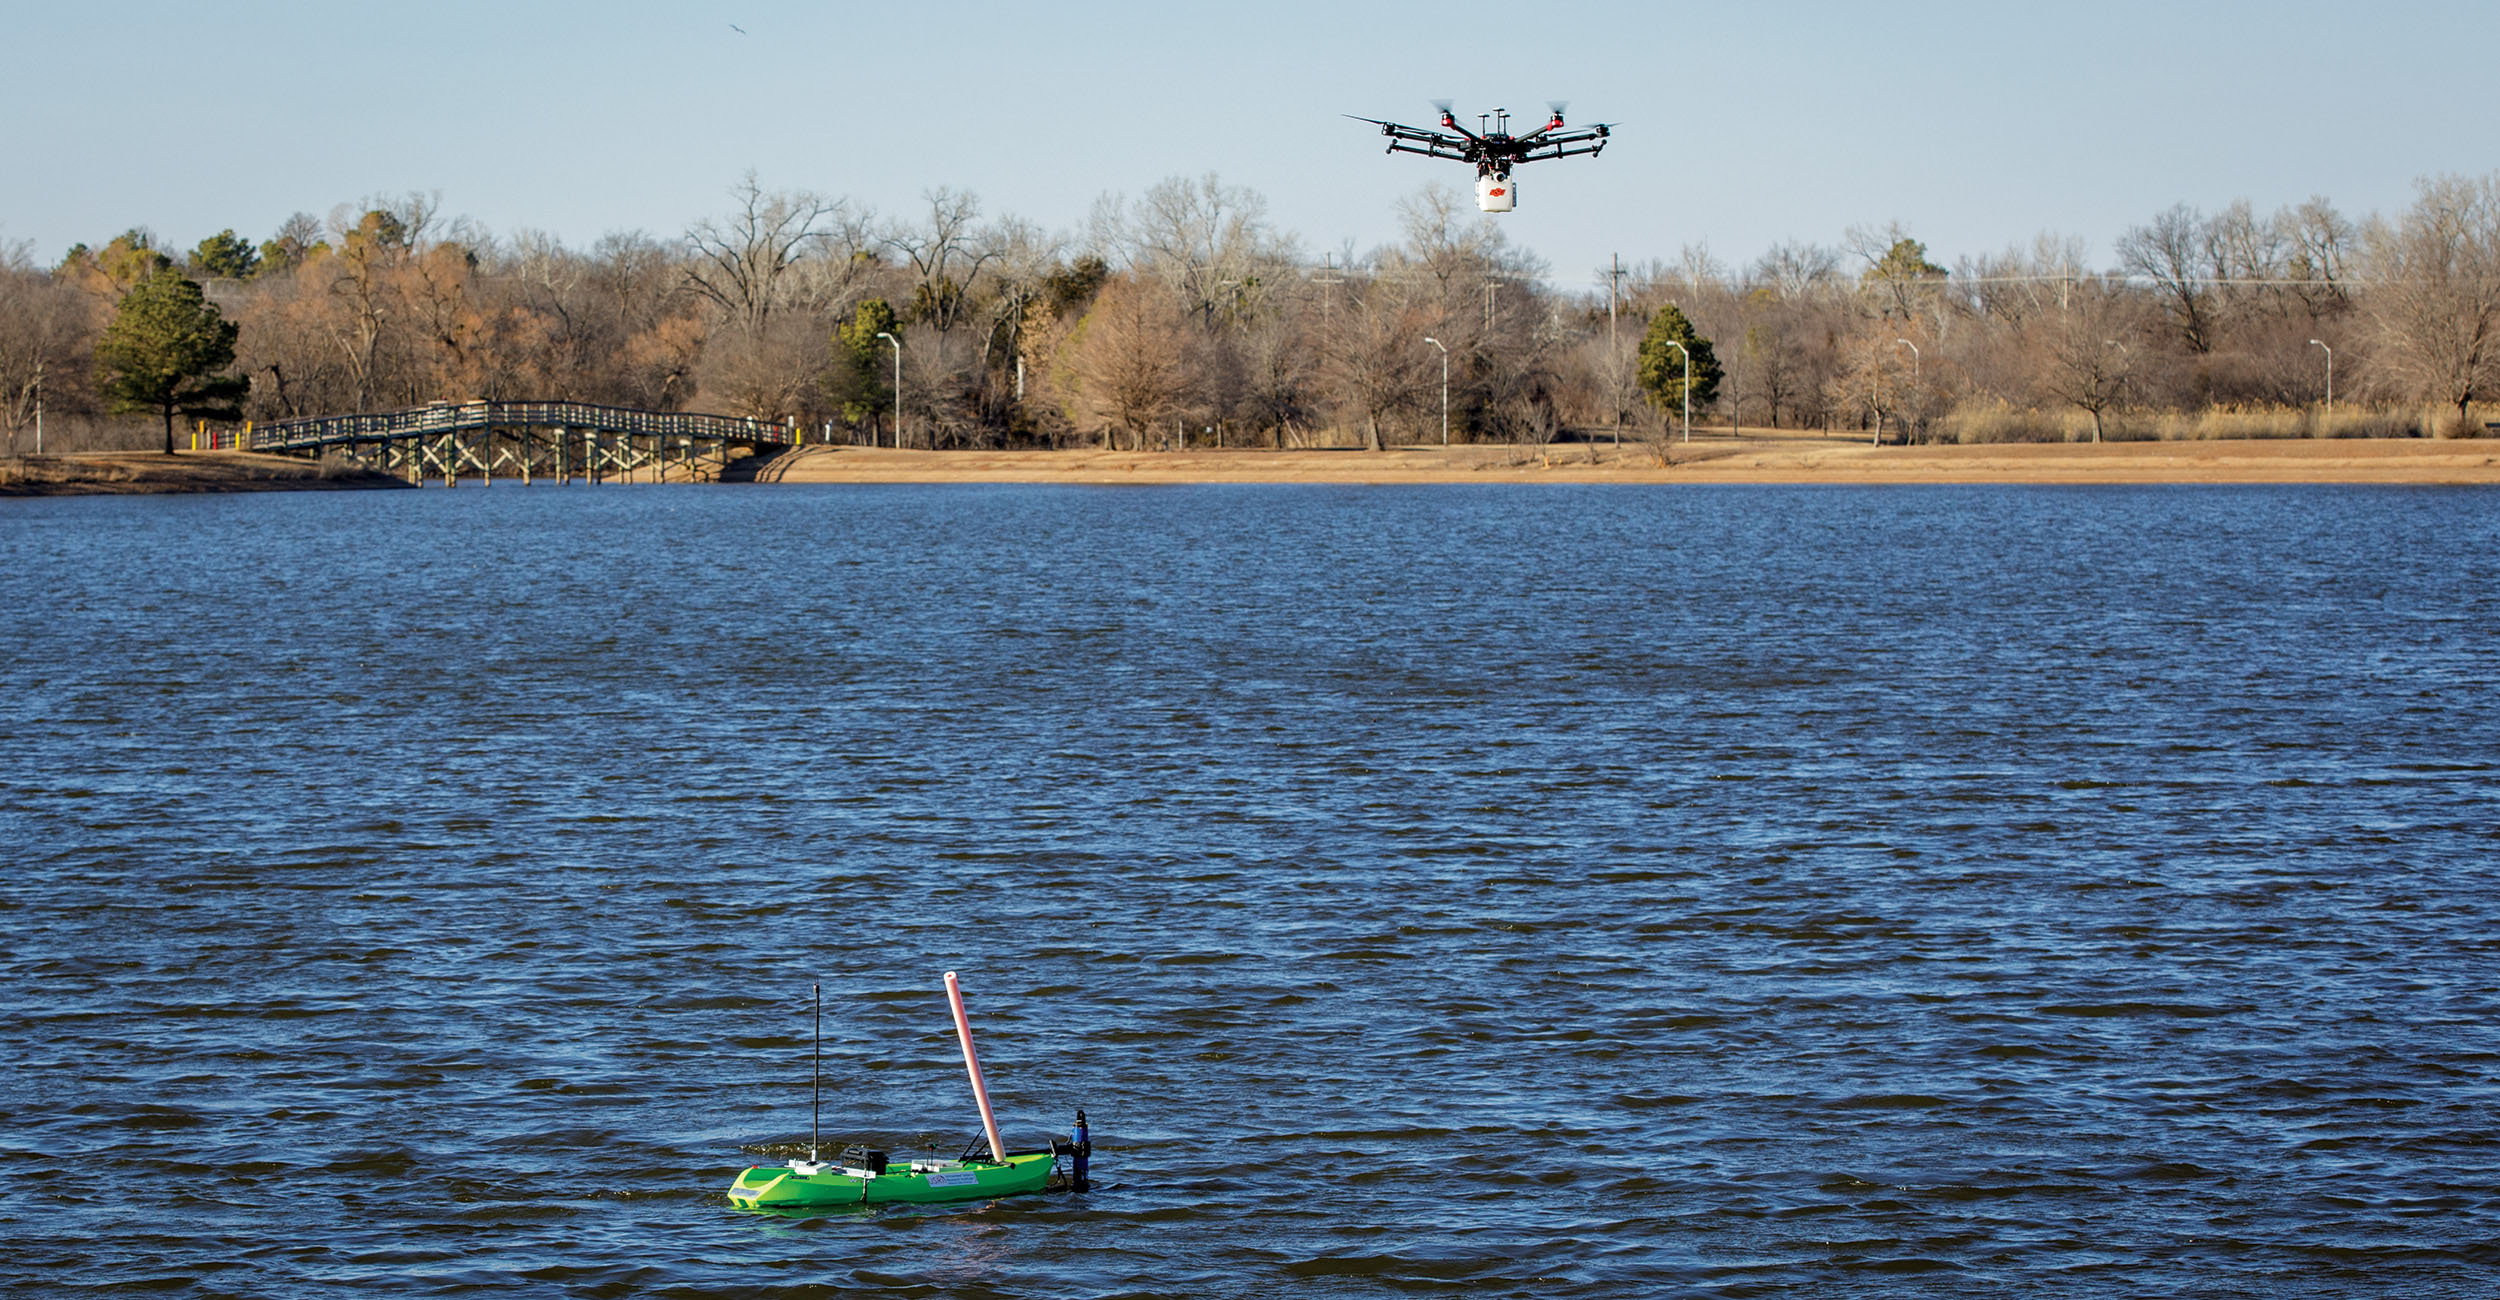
{"type": "Point", "coordinates": [1492, 148]}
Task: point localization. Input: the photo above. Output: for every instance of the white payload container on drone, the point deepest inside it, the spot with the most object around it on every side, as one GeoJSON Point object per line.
{"type": "Point", "coordinates": [1496, 193]}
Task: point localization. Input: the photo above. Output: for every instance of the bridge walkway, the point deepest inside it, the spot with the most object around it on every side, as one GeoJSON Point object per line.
{"type": "Point", "coordinates": [523, 440]}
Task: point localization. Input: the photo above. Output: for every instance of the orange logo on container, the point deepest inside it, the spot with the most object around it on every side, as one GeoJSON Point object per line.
{"type": "Point", "coordinates": [1497, 191]}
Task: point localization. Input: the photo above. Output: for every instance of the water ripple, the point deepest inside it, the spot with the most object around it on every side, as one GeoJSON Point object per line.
{"type": "Point", "coordinates": [1582, 892]}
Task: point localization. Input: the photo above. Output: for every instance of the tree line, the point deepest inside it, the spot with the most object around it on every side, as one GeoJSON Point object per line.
{"type": "Point", "coordinates": [1185, 317]}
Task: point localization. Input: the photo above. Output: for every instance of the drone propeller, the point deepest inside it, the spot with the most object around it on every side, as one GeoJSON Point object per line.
{"type": "Point", "coordinates": [1442, 104]}
{"type": "Point", "coordinates": [1558, 105]}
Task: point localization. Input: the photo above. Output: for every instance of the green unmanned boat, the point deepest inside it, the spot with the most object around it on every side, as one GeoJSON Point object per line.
{"type": "Point", "coordinates": [862, 1177]}
{"type": "Point", "coordinates": [804, 1184]}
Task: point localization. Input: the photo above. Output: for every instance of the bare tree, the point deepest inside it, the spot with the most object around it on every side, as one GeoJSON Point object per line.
{"type": "Point", "coordinates": [1123, 373]}
{"type": "Point", "coordinates": [946, 255]}
{"type": "Point", "coordinates": [1024, 258]}
{"type": "Point", "coordinates": [1218, 319]}
{"type": "Point", "coordinates": [2319, 243]}
{"type": "Point", "coordinates": [1793, 269]}
{"type": "Point", "coordinates": [1875, 378]}
{"type": "Point", "coordinates": [1448, 244]}
{"type": "Point", "coordinates": [1898, 282]}
{"type": "Point", "coordinates": [1614, 375]}
{"type": "Point", "coordinates": [1204, 239]}
{"type": "Point", "coordinates": [45, 326]}
{"type": "Point", "coordinates": [1280, 374]}
{"type": "Point", "coordinates": [2084, 356]}
{"type": "Point", "coordinates": [2435, 304]}
{"type": "Point", "coordinates": [2175, 253]}
{"type": "Point", "coordinates": [1375, 356]}
{"type": "Point", "coordinates": [944, 387]}
{"type": "Point", "coordinates": [770, 373]}
{"type": "Point", "coordinates": [369, 329]}
{"type": "Point", "coordinates": [2004, 295]}
{"type": "Point", "coordinates": [748, 264]}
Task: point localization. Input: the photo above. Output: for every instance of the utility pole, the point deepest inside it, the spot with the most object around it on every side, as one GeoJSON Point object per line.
{"type": "Point", "coordinates": [1328, 263]}
{"type": "Point", "coordinates": [1614, 279]}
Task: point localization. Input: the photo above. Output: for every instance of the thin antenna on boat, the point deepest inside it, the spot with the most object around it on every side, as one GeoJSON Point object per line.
{"type": "Point", "coordinates": [816, 1124]}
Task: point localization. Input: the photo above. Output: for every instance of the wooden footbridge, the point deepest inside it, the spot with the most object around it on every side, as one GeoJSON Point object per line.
{"type": "Point", "coordinates": [524, 440]}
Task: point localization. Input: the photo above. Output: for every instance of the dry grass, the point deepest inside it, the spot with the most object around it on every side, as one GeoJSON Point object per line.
{"type": "Point", "coordinates": [1977, 423]}
{"type": "Point", "coordinates": [1992, 422]}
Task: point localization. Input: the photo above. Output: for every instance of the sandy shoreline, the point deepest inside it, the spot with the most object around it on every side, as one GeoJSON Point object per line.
{"type": "Point", "coordinates": [1781, 460]}
{"type": "Point", "coordinates": [1704, 460]}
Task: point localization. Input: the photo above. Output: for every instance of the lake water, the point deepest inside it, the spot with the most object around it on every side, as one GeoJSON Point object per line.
{"type": "Point", "coordinates": [1516, 891]}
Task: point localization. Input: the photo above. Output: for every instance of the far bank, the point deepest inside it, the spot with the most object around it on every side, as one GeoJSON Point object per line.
{"type": "Point", "coordinates": [1723, 459]}
{"type": "Point", "coordinates": [149, 473]}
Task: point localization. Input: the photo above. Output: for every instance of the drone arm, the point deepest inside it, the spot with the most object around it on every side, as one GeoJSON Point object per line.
{"type": "Point", "coordinates": [1562, 150]}
{"type": "Point", "coordinates": [1576, 135]}
{"type": "Point", "coordinates": [1396, 132]}
{"type": "Point", "coordinates": [1437, 149]}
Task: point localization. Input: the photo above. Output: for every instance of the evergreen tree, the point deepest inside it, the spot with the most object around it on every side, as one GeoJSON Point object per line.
{"type": "Point", "coordinates": [862, 374]}
{"type": "Point", "coordinates": [1902, 283]}
{"type": "Point", "coordinates": [1662, 369]}
{"type": "Point", "coordinates": [163, 352]}
{"type": "Point", "coordinates": [225, 256]}
{"type": "Point", "coordinates": [1905, 260]}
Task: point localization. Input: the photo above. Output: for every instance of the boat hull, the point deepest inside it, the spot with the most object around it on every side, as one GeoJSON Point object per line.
{"type": "Point", "coordinates": [780, 1187]}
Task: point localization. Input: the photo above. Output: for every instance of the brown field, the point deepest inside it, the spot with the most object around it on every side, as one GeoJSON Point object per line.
{"type": "Point", "coordinates": [1704, 460]}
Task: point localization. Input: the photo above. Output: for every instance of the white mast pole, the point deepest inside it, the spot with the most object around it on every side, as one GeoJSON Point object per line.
{"type": "Point", "coordinates": [972, 1067]}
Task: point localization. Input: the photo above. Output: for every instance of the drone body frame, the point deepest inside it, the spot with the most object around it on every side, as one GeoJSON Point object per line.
{"type": "Point", "coordinates": [1493, 149]}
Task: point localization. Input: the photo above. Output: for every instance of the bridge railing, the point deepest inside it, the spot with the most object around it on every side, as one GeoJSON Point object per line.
{"type": "Point", "coordinates": [458, 417]}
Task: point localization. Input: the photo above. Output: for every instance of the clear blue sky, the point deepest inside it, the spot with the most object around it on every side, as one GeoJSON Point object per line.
{"type": "Point", "coordinates": [1976, 125]}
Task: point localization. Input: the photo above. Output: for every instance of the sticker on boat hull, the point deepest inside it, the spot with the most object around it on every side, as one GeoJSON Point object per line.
{"type": "Point", "coordinates": [957, 1178]}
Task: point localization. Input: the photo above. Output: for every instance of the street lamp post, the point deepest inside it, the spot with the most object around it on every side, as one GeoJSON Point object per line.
{"type": "Point", "coordinates": [1688, 387]}
{"type": "Point", "coordinates": [1445, 389]}
{"type": "Point", "coordinates": [2330, 383]}
{"type": "Point", "coordinates": [1915, 358]}
{"type": "Point", "coordinates": [898, 387]}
